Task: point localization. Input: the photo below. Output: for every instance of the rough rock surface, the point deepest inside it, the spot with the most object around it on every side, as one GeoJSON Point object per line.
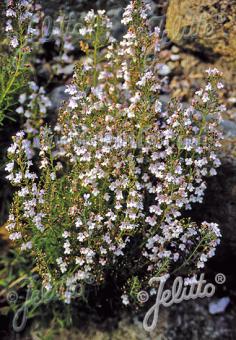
{"type": "Point", "coordinates": [205, 26]}
{"type": "Point", "coordinates": [220, 206]}
{"type": "Point", "coordinates": [57, 96]}
{"type": "Point", "coordinates": [188, 320]}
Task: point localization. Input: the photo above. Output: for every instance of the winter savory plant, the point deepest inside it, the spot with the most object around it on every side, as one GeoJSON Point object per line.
{"type": "Point", "coordinates": [105, 197]}
{"type": "Point", "coordinates": [19, 93]}
{"type": "Point", "coordinates": [13, 62]}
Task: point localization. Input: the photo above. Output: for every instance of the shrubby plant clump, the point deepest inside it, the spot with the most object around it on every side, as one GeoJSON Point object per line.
{"type": "Point", "coordinates": [23, 37]}
{"type": "Point", "coordinates": [13, 58]}
{"type": "Point", "coordinates": [118, 170]}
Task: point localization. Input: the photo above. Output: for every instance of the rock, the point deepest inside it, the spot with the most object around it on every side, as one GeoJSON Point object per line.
{"type": "Point", "coordinates": [229, 128]}
{"type": "Point", "coordinates": [191, 321]}
{"type": "Point", "coordinates": [175, 57]}
{"type": "Point", "coordinates": [219, 206]}
{"type": "Point", "coordinates": [205, 26]}
{"type": "Point", "coordinates": [232, 100]}
{"type": "Point", "coordinates": [66, 70]}
{"type": "Point", "coordinates": [219, 306]}
{"type": "Point", "coordinates": [165, 100]}
{"type": "Point", "coordinates": [185, 321]}
{"type": "Point", "coordinates": [126, 328]}
{"type": "Point", "coordinates": [44, 71]}
{"type": "Point", "coordinates": [57, 96]}
{"type": "Point", "coordinates": [175, 49]}
{"type": "Point", "coordinates": [115, 14]}
{"type": "Point", "coordinates": [164, 70]}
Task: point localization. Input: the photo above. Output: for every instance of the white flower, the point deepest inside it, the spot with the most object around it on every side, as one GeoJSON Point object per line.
{"type": "Point", "coordinates": [53, 176]}
{"type": "Point", "coordinates": [205, 97]}
{"type": "Point", "coordinates": [199, 93]}
{"type": "Point", "coordinates": [220, 86]}
{"type": "Point", "coordinates": [67, 296]}
{"type": "Point", "coordinates": [208, 87]}
{"type": "Point", "coordinates": [22, 98]}
{"type": "Point", "coordinates": [20, 110]}
{"type": "Point", "coordinates": [9, 27]}
{"type": "Point", "coordinates": [14, 42]}
{"type": "Point", "coordinates": [59, 261]}
{"type": "Point", "coordinates": [127, 16]}
{"type": "Point", "coordinates": [48, 286]}
{"type": "Point", "coordinates": [213, 172]}
{"type": "Point", "coordinates": [18, 177]}
{"type": "Point", "coordinates": [71, 89]}
{"type": "Point", "coordinates": [9, 167]}
{"type": "Point", "coordinates": [200, 264]}
{"type": "Point", "coordinates": [10, 13]}
{"type": "Point", "coordinates": [67, 247]}
{"type": "Point", "coordinates": [158, 106]}
{"type": "Point", "coordinates": [125, 299]}
{"type": "Point", "coordinates": [15, 236]}
{"type": "Point", "coordinates": [83, 31]}
{"type": "Point", "coordinates": [190, 280]}
{"type": "Point", "coordinates": [90, 16]}
{"type": "Point", "coordinates": [73, 103]}
{"type": "Point", "coordinates": [23, 192]}
{"type": "Point", "coordinates": [188, 161]}
{"type": "Point", "coordinates": [81, 237]}
{"type": "Point", "coordinates": [38, 221]}
{"type": "Point", "coordinates": [212, 72]}
{"type": "Point", "coordinates": [33, 86]}
{"type": "Point", "coordinates": [66, 234]}
{"type": "Point", "coordinates": [79, 261]}
{"type": "Point", "coordinates": [78, 223]}
{"type": "Point", "coordinates": [26, 246]}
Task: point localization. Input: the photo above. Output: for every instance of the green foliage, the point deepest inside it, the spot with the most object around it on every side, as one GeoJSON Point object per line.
{"type": "Point", "coordinates": [13, 78]}
{"type": "Point", "coordinates": [14, 69]}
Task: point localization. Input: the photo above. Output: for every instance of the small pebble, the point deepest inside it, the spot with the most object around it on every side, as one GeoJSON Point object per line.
{"type": "Point", "coordinates": [219, 306]}
{"type": "Point", "coordinates": [164, 70]}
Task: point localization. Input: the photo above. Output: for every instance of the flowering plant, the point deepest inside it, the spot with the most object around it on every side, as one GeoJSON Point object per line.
{"type": "Point", "coordinates": [118, 171]}
{"type": "Point", "coordinates": [14, 55]}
